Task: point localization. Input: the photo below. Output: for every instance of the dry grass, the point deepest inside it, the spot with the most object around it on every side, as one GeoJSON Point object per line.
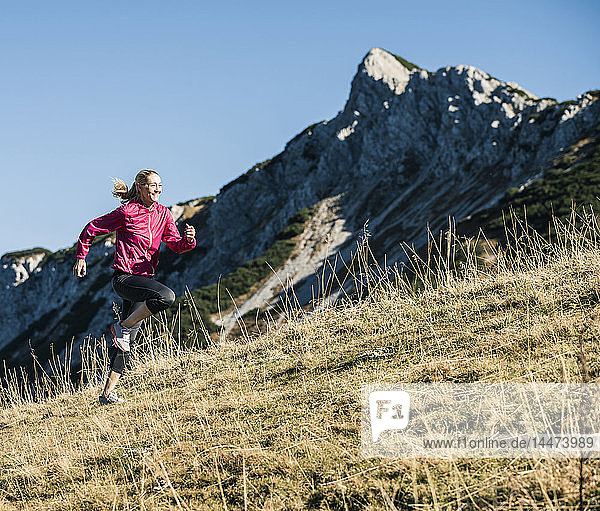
{"type": "Point", "coordinates": [272, 421]}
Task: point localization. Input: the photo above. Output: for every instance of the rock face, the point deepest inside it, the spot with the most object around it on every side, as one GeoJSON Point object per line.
{"type": "Point", "coordinates": [410, 148]}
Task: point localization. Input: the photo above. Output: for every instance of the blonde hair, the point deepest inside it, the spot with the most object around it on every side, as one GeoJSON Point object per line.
{"type": "Point", "coordinates": [126, 195]}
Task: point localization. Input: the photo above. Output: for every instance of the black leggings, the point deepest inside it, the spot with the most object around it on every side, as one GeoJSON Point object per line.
{"type": "Point", "coordinates": [135, 290]}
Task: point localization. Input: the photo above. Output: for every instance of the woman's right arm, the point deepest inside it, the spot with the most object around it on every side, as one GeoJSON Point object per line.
{"type": "Point", "coordinates": [102, 225]}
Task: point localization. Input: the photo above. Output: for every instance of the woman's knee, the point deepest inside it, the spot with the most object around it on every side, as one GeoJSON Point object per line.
{"type": "Point", "coordinates": [167, 297]}
{"type": "Point", "coordinates": [170, 297]}
{"type": "Point", "coordinates": [162, 302]}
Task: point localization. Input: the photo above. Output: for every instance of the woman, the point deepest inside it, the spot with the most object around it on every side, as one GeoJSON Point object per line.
{"type": "Point", "coordinates": [141, 224]}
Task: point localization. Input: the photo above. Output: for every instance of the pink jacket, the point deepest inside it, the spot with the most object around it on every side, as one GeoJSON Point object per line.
{"type": "Point", "coordinates": [139, 233]}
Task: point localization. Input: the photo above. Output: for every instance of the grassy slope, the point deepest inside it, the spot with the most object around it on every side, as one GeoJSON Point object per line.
{"type": "Point", "coordinates": [272, 422]}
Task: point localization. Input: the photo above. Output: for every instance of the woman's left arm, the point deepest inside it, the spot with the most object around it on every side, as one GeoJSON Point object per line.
{"type": "Point", "coordinates": [174, 240]}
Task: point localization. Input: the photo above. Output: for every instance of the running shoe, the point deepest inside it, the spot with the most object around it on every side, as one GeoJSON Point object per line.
{"type": "Point", "coordinates": [121, 336]}
{"type": "Point", "coordinates": [111, 399]}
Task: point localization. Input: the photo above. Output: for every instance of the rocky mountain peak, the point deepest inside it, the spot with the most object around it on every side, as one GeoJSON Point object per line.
{"type": "Point", "coordinates": [410, 148]}
{"type": "Point", "coordinates": [381, 65]}
{"type": "Point", "coordinates": [380, 74]}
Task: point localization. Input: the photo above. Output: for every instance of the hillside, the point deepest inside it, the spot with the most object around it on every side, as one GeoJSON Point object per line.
{"type": "Point", "coordinates": [572, 179]}
{"type": "Point", "coordinates": [272, 421]}
{"type": "Point", "coordinates": [410, 148]}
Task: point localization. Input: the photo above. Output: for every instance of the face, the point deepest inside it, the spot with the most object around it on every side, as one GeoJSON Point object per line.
{"type": "Point", "coordinates": [150, 192]}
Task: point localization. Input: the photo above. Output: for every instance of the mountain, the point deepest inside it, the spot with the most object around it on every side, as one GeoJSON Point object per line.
{"type": "Point", "coordinates": [274, 421]}
{"type": "Point", "coordinates": [410, 148]}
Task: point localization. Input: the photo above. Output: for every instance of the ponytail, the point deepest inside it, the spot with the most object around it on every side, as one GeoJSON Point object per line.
{"type": "Point", "coordinates": [126, 195]}
{"type": "Point", "coordinates": [120, 190]}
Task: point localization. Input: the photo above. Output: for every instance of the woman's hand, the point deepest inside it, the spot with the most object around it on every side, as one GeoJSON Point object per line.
{"type": "Point", "coordinates": [79, 268]}
{"type": "Point", "coordinates": [190, 232]}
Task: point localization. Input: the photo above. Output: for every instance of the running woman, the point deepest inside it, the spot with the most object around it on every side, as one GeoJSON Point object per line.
{"type": "Point", "coordinates": [141, 224]}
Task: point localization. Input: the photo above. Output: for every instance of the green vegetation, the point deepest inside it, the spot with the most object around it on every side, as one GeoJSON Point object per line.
{"type": "Point", "coordinates": [60, 256]}
{"type": "Point", "coordinates": [567, 160]}
{"type": "Point", "coordinates": [408, 65]}
{"type": "Point", "coordinates": [26, 253]}
{"type": "Point", "coordinates": [68, 254]}
{"type": "Point", "coordinates": [244, 177]}
{"type": "Point", "coordinates": [553, 194]}
{"type": "Point", "coordinates": [562, 107]}
{"type": "Point", "coordinates": [295, 225]}
{"type": "Point", "coordinates": [520, 92]}
{"type": "Point", "coordinates": [208, 199]}
{"type": "Point", "coordinates": [305, 131]}
{"type": "Point", "coordinates": [210, 299]}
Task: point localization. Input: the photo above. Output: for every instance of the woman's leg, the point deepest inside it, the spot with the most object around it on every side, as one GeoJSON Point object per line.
{"type": "Point", "coordinates": [156, 297]}
{"type": "Point", "coordinates": [111, 383]}
{"type": "Point", "coordinates": [119, 358]}
{"type": "Point", "coordinates": [139, 314]}
{"type": "Point", "coordinates": [142, 297]}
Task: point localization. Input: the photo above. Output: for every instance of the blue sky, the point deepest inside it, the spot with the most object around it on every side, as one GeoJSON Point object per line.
{"type": "Point", "coordinates": [201, 92]}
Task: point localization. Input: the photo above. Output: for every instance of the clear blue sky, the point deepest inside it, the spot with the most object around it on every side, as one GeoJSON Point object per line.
{"type": "Point", "coordinates": [201, 91]}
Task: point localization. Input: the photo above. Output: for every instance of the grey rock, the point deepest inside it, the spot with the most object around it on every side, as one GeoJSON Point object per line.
{"type": "Point", "coordinates": [409, 149]}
